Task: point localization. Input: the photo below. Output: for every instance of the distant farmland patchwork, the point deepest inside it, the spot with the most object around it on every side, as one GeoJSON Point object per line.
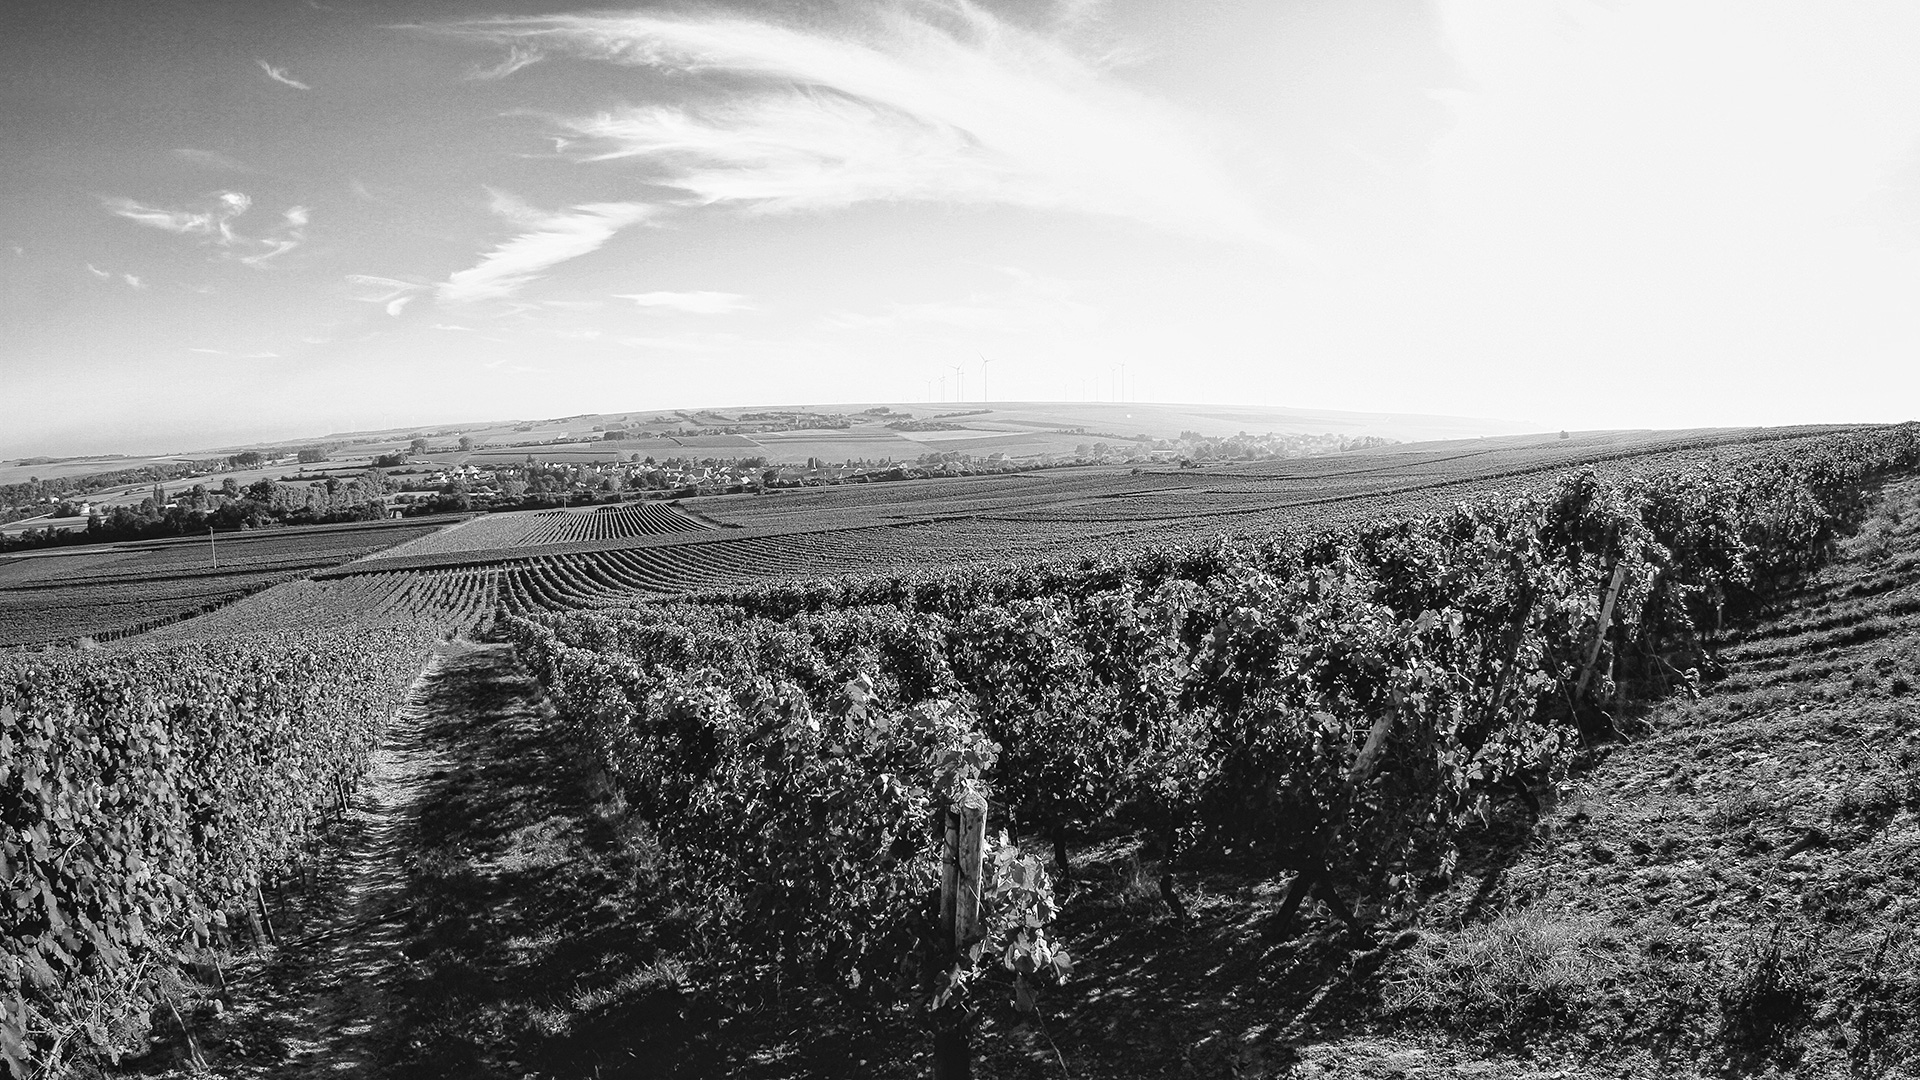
{"type": "Point", "coordinates": [113, 590]}
{"type": "Point", "coordinates": [621, 555]}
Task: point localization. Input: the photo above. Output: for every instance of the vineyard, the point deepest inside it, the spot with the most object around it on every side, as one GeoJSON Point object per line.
{"type": "Point", "coordinates": [122, 590]}
{"type": "Point", "coordinates": [104, 611]}
{"type": "Point", "coordinates": [148, 796]}
{"type": "Point", "coordinates": [1322, 679]}
{"type": "Point", "coordinates": [1333, 707]}
{"type": "Point", "coordinates": [610, 523]}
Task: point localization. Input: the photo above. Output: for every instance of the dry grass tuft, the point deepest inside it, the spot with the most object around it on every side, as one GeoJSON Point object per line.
{"type": "Point", "coordinates": [1524, 969]}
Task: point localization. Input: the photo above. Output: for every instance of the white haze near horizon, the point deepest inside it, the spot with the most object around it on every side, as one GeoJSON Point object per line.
{"type": "Point", "coordinates": [1574, 214]}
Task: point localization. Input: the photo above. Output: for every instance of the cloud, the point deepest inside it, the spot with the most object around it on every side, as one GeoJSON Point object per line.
{"type": "Point", "coordinates": [451, 326]}
{"type": "Point", "coordinates": [550, 239]}
{"type": "Point", "coordinates": [215, 223]}
{"type": "Point", "coordinates": [177, 221]}
{"type": "Point", "coordinates": [290, 234]}
{"type": "Point", "coordinates": [939, 101]}
{"type": "Point", "coordinates": [211, 160]}
{"type": "Point", "coordinates": [392, 294]}
{"type": "Point", "coordinates": [517, 57]}
{"type": "Point", "coordinates": [387, 287]}
{"type": "Point", "coordinates": [279, 75]}
{"type": "Point", "coordinates": [698, 303]}
{"type": "Point", "coordinates": [132, 280]}
{"type": "Point", "coordinates": [211, 352]}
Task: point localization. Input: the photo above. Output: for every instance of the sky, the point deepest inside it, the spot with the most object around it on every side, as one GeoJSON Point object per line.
{"type": "Point", "coordinates": [239, 220]}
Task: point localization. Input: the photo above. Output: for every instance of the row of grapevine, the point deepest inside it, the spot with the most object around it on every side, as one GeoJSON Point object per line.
{"type": "Point", "coordinates": [609, 523]}
{"type": "Point", "coordinates": [805, 824]}
{"type": "Point", "coordinates": [145, 794]}
{"type": "Point", "coordinates": [43, 616]}
{"type": "Point", "coordinates": [450, 601]}
{"type": "Point", "coordinates": [633, 575]}
{"type": "Point", "coordinates": [1332, 704]}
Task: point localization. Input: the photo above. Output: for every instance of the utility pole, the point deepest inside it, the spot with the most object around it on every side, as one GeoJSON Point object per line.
{"type": "Point", "coordinates": [983, 378]}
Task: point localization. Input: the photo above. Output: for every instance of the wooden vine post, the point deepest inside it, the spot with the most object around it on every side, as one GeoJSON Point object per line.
{"type": "Point", "coordinates": [1600, 632]}
{"type": "Point", "coordinates": [961, 864]}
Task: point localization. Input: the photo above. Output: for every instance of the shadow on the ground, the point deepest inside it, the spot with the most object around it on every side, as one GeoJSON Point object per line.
{"type": "Point", "coordinates": [532, 924]}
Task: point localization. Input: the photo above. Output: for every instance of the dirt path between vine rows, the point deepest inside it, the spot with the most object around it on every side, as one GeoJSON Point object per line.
{"type": "Point", "coordinates": [487, 909]}
{"type": "Point", "coordinates": [314, 1004]}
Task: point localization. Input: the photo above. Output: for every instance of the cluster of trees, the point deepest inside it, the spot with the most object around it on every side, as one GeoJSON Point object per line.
{"type": "Point", "coordinates": [34, 493]}
{"type": "Point", "coordinates": [230, 506]}
{"type": "Point", "coordinates": [1245, 447]}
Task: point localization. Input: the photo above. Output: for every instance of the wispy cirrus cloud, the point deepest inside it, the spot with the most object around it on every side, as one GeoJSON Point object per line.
{"type": "Point", "coordinates": [380, 290]}
{"type": "Point", "coordinates": [215, 224]}
{"type": "Point", "coordinates": [392, 294]}
{"type": "Point", "coordinates": [518, 56]}
{"type": "Point", "coordinates": [697, 303]}
{"type": "Point", "coordinates": [279, 75]}
{"type": "Point", "coordinates": [291, 233]}
{"type": "Point", "coordinates": [211, 160]}
{"type": "Point", "coordinates": [936, 101]}
{"type": "Point", "coordinates": [549, 239]}
{"type": "Point", "coordinates": [133, 281]}
{"type": "Point", "coordinates": [211, 223]}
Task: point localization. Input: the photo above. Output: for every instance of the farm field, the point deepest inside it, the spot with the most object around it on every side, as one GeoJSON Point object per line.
{"type": "Point", "coordinates": [40, 614]}
{"type": "Point", "coordinates": [1015, 518]}
{"type": "Point", "coordinates": [131, 495]}
{"type": "Point", "coordinates": [1018, 430]}
{"type": "Point", "coordinates": [869, 437]}
{"type": "Point", "coordinates": [675, 736]}
{"type": "Point", "coordinates": [614, 556]}
{"type": "Point", "coordinates": [106, 590]}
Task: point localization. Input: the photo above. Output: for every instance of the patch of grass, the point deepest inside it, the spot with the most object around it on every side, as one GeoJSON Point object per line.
{"type": "Point", "coordinates": [1908, 759]}
{"type": "Point", "coordinates": [1770, 994]}
{"type": "Point", "coordinates": [1871, 804]}
{"type": "Point", "coordinates": [1742, 809]}
{"type": "Point", "coordinates": [1883, 1039]}
{"type": "Point", "coordinates": [1524, 970]}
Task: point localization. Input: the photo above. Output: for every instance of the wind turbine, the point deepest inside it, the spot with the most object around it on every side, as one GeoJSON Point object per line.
{"type": "Point", "coordinates": [983, 377]}
{"type": "Point", "coordinates": [960, 383]}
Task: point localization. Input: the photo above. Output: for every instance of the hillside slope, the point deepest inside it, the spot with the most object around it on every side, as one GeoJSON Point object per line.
{"type": "Point", "coordinates": [1736, 889]}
